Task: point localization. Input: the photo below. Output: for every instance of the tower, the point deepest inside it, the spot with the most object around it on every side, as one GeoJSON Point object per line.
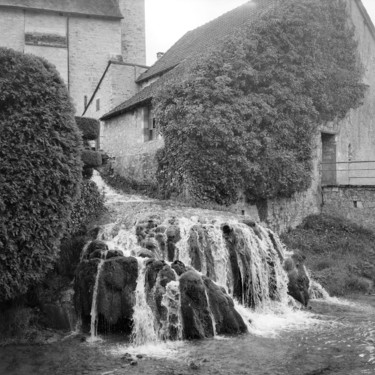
{"type": "Point", "coordinates": [133, 39]}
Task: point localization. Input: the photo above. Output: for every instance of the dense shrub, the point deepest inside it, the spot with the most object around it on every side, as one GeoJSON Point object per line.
{"type": "Point", "coordinates": [89, 127]}
{"type": "Point", "coordinates": [91, 158]}
{"type": "Point", "coordinates": [339, 253]}
{"type": "Point", "coordinates": [40, 169]}
{"type": "Point", "coordinates": [89, 207]}
{"type": "Point", "coordinates": [244, 117]}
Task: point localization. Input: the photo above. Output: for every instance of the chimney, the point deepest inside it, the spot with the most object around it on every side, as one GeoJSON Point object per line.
{"type": "Point", "coordinates": [159, 55]}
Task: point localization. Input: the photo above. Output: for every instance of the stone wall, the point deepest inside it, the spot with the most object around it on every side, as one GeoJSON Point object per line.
{"type": "Point", "coordinates": [141, 165]}
{"type": "Point", "coordinates": [91, 42]}
{"type": "Point", "coordinates": [12, 26]}
{"type": "Point", "coordinates": [356, 203]}
{"type": "Point", "coordinates": [133, 31]}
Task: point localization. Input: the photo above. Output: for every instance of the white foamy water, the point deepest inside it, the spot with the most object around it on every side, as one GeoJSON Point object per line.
{"type": "Point", "coordinates": [277, 318]}
{"type": "Point", "coordinates": [94, 304]}
{"type": "Point", "coordinates": [143, 319]}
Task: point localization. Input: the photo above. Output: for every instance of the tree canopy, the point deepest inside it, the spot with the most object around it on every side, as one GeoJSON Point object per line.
{"type": "Point", "coordinates": [245, 116]}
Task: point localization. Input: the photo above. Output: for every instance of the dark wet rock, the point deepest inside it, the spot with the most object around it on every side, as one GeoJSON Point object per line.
{"type": "Point", "coordinates": [116, 292]}
{"type": "Point", "coordinates": [145, 253]}
{"type": "Point", "coordinates": [158, 275]}
{"type": "Point", "coordinates": [173, 236]}
{"type": "Point", "coordinates": [83, 287]}
{"type": "Point", "coordinates": [96, 247]}
{"type": "Point", "coordinates": [114, 254]}
{"type": "Point", "coordinates": [227, 229]}
{"type": "Point", "coordinates": [250, 223]}
{"type": "Point", "coordinates": [173, 233]}
{"type": "Point", "coordinates": [179, 267]}
{"type": "Point", "coordinates": [227, 319]}
{"type": "Point", "coordinates": [201, 252]}
{"type": "Point", "coordinates": [153, 268]}
{"type": "Point", "coordinates": [160, 229]}
{"type": "Point", "coordinates": [298, 285]}
{"type": "Point", "coordinates": [196, 319]}
{"type": "Point", "coordinates": [152, 245]}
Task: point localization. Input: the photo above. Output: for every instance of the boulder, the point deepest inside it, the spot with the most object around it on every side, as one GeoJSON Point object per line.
{"type": "Point", "coordinates": [196, 318]}
{"type": "Point", "coordinates": [227, 319]}
{"type": "Point", "coordinates": [97, 247]}
{"type": "Point", "coordinates": [298, 284]}
{"type": "Point", "coordinates": [116, 292]}
{"type": "Point", "coordinates": [179, 267]}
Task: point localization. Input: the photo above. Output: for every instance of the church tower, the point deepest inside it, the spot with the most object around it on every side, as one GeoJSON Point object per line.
{"type": "Point", "coordinates": [133, 39]}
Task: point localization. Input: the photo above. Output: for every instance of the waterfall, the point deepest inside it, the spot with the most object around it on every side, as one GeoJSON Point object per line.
{"type": "Point", "coordinates": [143, 317]}
{"type": "Point", "coordinates": [172, 326]}
{"type": "Point", "coordinates": [211, 314]}
{"type": "Point", "coordinates": [94, 303]}
{"type": "Point", "coordinates": [183, 253]}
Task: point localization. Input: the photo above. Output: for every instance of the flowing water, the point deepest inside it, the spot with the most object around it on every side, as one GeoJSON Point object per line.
{"type": "Point", "coordinates": [332, 337]}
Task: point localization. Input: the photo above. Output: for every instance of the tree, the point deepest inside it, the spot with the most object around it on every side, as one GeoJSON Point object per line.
{"type": "Point", "coordinates": [244, 117]}
{"type": "Point", "coordinates": [40, 169]}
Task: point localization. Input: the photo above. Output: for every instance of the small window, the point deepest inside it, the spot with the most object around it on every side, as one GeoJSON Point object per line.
{"type": "Point", "coordinates": [97, 104]}
{"type": "Point", "coordinates": [85, 101]}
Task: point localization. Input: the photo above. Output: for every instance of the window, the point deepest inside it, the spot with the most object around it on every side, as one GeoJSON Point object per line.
{"type": "Point", "coordinates": [85, 101]}
{"type": "Point", "coordinates": [97, 104]}
{"type": "Point", "coordinates": [150, 126]}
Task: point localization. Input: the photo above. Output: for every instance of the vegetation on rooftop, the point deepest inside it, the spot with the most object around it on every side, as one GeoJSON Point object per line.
{"type": "Point", "coordinates": [245, 116]}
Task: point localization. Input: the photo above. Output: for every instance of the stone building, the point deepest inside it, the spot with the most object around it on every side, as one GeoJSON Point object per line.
{"type": "Point", "coordinates": [345, 152]}
{"type": "Point", "coordinates": [81, 38]}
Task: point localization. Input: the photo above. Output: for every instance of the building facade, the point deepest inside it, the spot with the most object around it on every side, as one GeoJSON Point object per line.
{"type": "Point", "coordinates": [79, 37]}
{"type": "Point", "coordinates": [345, 150]}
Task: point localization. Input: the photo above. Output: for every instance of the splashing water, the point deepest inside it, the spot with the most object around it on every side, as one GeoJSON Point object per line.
{"type": "Point", "coordinates": [172, 327]}
{"type": "Point", "coordinates": [143, 318]}
{"type": "Point", "coordinates": [94, 304]}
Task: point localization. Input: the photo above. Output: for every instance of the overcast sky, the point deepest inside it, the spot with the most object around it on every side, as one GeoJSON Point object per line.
{"type": "Point", "coordinates": [168, 20]}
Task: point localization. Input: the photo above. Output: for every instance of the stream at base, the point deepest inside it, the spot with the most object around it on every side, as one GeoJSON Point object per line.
{"type": "Point", "coordinates": [334, 337]}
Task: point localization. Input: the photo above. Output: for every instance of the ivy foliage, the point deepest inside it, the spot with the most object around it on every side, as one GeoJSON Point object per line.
{"type": "Point", "coordinates": [40, 169]}
{"type": "Point", "coordinates": [245, 116]}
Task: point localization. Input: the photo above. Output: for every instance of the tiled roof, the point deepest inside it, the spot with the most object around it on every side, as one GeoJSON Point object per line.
{"type": "Point", "coordinates": [191, 45]}
{"type": "Point", "coordinates": [97, 8]}
{"type": "Point", "coordinates": [206, 36]}
{"type": "Point", "coordinates": [142, 97]}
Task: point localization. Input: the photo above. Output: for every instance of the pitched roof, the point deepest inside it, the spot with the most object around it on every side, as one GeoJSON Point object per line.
{"type": "Point", "coordinates": [206, 36]}
{"type": "Point", "coordinates": [96, 8]}
{"type": "Point", "coordinates": [144, 96]}
{"type": "Point", "coordinates": [193, 44]}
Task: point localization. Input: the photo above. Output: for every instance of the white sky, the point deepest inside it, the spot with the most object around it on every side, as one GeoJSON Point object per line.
{"type": "Point", "coordinates": [168, 20]}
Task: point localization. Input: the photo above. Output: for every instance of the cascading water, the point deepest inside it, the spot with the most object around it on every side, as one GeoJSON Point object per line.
{"type": "Point", "coordinates": [172, 326]}
{"type": "Point", "coordinates": [191, 271]}
{"type": "Point", "coordinates": [94, 304]}
{"type": "Point", "coordinates": [143, 318]}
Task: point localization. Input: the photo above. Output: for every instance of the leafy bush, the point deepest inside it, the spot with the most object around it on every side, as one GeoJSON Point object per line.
{"type": "Point", "coordinates": [40, 169]}
{"type": "Point", "coordinates": [244, 117]}
{"type": "Point", "coordinates": [89, 207]}
{"type": "Point", "coordinates": [91, 158]}
{"type": "Point", "coordinates": [89, 127]}
{"type": "Point", "coordinates": [339, 253]}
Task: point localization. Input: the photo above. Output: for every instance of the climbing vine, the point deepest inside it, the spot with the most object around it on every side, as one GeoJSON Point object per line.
{"type": "Point", "coordinates": [244, 117]}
